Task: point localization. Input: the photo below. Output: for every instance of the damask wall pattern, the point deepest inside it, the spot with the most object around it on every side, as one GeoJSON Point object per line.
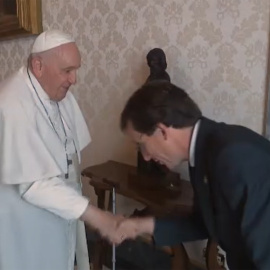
{"type": "Point", "coordinates": [216, 50]}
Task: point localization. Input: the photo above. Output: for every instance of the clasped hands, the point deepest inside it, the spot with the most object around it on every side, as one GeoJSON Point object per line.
{"type": "Point", "coordinates": [117, 228]}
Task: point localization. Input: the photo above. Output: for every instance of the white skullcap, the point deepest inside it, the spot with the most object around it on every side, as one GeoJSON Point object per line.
{"type": "Point", "coordinates": [49, 40]}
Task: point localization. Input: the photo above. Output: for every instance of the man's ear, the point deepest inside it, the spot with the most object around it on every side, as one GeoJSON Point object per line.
{"type": "Point", "coordinates": [37, 66]}
{"type": "Point", "coordinates": [163, 129]}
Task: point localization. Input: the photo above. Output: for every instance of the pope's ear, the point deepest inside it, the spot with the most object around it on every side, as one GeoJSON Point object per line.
{"type": "Point", "coordinates": [37, 66]}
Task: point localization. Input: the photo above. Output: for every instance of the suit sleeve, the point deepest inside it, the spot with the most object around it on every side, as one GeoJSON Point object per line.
{"type": "Point", "coordinates": [172, 231]}
{"type": "Point", "coordinates": [245, 186]}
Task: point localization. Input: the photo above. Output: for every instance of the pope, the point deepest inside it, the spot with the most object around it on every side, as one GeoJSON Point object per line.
{"type": "Point", "coordinates": [42, 133]}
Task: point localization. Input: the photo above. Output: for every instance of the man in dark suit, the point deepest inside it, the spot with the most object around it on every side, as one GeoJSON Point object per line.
{"type": "Point", "coordinates": [229, 171]}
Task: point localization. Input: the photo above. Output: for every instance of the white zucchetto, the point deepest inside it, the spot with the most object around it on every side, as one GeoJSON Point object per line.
{"type": "Point", "coordinates": [50, 39]}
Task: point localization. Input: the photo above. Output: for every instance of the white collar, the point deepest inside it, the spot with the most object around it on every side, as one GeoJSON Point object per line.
{"type": "Point", "coordinates": [193, 144]}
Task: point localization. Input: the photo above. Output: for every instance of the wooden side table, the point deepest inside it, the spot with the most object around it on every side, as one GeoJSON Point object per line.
{"type": "Point", "coordinates": [170, 196]}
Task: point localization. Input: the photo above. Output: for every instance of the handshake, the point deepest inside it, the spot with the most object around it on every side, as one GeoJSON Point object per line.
{"type": "Point", "coordinates": [117, 228]}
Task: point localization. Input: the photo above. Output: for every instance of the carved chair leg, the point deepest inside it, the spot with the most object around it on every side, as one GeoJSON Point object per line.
{"type": "Point", "coordinates": [98, 258]}
{"type": "Point", "coordinates": [211, 256]}
{"type": "Point", "coordinates": [180, 258]}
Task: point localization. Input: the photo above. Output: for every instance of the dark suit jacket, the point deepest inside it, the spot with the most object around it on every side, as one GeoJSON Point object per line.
{"type": "Point", "coordinates": [234, 206]}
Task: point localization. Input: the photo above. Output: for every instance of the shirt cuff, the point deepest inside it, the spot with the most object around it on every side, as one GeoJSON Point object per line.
{"type": "Point", "coordinates": [55, 196]}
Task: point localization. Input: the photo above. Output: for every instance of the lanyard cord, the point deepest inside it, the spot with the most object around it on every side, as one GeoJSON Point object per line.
{"type": "Point", "coordinates": [51, 122]}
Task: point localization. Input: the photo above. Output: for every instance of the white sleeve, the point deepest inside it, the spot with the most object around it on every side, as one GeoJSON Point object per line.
{"type": "Point", "coordinates": [55, 196]}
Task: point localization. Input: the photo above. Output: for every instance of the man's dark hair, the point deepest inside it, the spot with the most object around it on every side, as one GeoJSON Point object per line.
{"type": "Point", "coordinates": [159, 102]}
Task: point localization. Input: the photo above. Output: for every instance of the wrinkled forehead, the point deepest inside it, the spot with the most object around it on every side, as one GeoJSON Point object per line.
{"type": "Point", "coordinates": [69, 54]}
{"type": "Point", "coordinates": [68, 49]}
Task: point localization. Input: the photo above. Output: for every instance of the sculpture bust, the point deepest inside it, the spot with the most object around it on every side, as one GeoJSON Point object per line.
{"type": "Point", "coordinates": [156, 60]}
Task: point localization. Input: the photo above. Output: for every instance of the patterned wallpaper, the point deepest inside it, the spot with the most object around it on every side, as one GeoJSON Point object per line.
{"type": "Point", "coordinates": [216, 50]}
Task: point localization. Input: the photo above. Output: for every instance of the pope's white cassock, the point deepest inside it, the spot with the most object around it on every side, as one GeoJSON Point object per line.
{"type": "Point", "coordinates": [40, 188]}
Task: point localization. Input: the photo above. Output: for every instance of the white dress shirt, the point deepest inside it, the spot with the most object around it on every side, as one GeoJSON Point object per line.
{"type": "Point", "coordinates": [193, 144]}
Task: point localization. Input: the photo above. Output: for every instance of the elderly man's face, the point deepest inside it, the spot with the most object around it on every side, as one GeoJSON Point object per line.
{"type": "Point", "coordinates": [59, 71]}
{"type": "Point", "coordinates": [160, 146]}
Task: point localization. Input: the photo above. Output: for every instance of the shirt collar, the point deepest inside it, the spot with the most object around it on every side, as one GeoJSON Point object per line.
{"type": "Point", "coordinates": [193, 144]}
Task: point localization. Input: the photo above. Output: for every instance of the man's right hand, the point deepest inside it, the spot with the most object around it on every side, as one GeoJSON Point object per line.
{"type": "Point", "coordinates": [131, 228]}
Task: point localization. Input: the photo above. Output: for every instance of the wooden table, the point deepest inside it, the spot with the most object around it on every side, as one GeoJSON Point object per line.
{"type": "Point", "coordinates": [162, 195]}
